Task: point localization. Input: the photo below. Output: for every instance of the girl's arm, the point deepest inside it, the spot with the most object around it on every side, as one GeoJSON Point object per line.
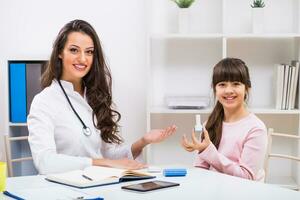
{"type": "Point", "coordinates": [201, 163]}
{"type": "Point", "coordinates": [250, 161]}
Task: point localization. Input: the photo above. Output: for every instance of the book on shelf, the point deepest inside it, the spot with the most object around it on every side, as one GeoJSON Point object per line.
{"type": "Point", "coordinates": [279, 71]}
{"type": "Point", "coordinates": [287, 86]}
{"type": "Point", "coordinates": [96, 176]}
{"type": "Point", "coordinates": [295, 84]}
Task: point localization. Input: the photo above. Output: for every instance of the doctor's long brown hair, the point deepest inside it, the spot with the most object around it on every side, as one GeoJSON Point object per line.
{"type": "Point", "coordinates": [228, 69]}
{"type": "Point", "coordinates": [98, 81]}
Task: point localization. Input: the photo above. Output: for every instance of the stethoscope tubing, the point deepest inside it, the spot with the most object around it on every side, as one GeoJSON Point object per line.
{"type": "Point", "coordinates": [85, 129]}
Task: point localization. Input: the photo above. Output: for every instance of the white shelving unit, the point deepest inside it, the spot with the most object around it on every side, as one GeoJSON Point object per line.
{"type": "Point", "coordinates": [181, 65]}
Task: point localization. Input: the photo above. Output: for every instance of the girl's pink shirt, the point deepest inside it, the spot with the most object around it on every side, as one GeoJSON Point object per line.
{"type": "Point", "coordinates": [241, 151]}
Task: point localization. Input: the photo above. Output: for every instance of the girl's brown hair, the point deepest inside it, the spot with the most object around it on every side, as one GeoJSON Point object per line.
{"type": "Point", "coordinates": [228, 69]}
{"type": "Point", "coordinates": [98, 81]}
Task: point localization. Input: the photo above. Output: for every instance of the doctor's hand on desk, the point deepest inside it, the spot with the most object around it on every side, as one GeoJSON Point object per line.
{"type": "Point", "coordinates": [124, 163]}
{"type": "Point", "coordinates": [196, 144]}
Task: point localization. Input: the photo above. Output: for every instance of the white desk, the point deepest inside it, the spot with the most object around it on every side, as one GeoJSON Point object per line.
{"type": "Point", "coordinates": [198, 184]}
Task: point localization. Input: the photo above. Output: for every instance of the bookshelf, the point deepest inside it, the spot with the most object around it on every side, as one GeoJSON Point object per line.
{"type": "Point", "coordinates": [181, 65]}
{"type": "Point", "coordinates": [21, 90]}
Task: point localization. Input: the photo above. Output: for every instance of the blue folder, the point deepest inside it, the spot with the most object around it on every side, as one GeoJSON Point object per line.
{"type": "Point", "coordinates": [17, 92]}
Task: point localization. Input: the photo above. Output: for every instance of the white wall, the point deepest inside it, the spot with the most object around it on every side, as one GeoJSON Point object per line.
{"type": "Point", "coordinates": [28, 29]}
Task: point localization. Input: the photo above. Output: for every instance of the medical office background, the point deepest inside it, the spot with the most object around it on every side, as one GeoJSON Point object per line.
{"type": "Point", "coordinates": [149, 60]}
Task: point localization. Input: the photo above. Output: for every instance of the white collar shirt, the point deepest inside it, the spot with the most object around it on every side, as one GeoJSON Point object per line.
{"type": "Point", "coordinates": [56, 139]}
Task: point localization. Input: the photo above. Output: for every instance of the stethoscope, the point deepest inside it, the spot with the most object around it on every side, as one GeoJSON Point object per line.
{"type": "Point", "coordinates": [85, 129]}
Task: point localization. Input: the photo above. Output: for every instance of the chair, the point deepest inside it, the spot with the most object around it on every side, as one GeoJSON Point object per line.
{"type": "Point", "coordinates": [269, 155]}
{"type": "Point", "coordinates": [10, 161]}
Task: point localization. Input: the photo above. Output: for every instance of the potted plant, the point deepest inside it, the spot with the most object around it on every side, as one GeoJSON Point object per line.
{"type": "Point", "coordinates": [258, 4]}
{"type": "Point", "coordinates": [184, 3]}
{"type": "Point", "coordinates": [183, 14]}
{"type": "Point", "coordinates": [257, 16]}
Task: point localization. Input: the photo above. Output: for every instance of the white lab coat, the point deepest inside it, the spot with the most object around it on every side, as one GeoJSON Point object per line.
{"type": "Point", "coordinates": [56, 139]}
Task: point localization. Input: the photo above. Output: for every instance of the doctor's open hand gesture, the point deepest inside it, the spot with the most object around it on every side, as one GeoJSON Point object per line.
{"type": "Point", "coordinates": [196, 144]}
{"type": "Point", "coordinates": [153, 136]}
{"type": "Point", "coordinates": [158, 135]}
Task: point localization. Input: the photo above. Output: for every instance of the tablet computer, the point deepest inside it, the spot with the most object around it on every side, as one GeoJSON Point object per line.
{"type": "Point", "coordinates": [149, 186]}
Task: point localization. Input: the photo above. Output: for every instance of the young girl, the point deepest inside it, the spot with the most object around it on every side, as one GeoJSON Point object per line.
{"type": "Point", "coordinates": [233, 140]}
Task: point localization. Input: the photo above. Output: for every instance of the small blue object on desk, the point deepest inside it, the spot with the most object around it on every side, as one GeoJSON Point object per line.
{"type": "Point", "coordinates": [174, 172]}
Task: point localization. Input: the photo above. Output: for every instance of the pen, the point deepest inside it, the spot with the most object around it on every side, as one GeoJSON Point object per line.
{"type": "Point", "coordinates": [12, 196]}
{"type": "Point", "coordinates": [86, 177]}
{"type": "Point", "coordinates": [97, 198]}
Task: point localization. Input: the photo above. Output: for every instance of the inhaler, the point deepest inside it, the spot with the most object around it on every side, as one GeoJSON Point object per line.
{"type": "Point", "coordinates": [198, 126]}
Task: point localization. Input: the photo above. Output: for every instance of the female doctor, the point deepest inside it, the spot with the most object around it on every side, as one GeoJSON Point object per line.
{"type": "Point", "coordinates": [72, 123]}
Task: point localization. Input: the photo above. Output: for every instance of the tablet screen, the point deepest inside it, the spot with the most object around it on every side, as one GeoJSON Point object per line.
{"type": "Point", "coordinates": [151, 185]}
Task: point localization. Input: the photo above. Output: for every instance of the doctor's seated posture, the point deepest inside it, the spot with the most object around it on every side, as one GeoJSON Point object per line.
{"type": "Point", "coordinates": [234, 140]}
{"type": "Point", "coordinates": [72, 123]}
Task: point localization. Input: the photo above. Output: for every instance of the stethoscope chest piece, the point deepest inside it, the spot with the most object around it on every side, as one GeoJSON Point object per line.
{"type": "Point", "coordinates": [86, 131]}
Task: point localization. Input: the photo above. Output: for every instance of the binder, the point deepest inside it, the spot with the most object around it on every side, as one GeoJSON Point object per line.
{"type": "Point", "coordinates": [17, 91]}
{"type": "Point", "coordinates": [33, 83]}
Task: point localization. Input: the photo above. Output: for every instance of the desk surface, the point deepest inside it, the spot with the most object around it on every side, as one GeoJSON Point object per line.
{"type": "Point", "coordinates": [198, 184]}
